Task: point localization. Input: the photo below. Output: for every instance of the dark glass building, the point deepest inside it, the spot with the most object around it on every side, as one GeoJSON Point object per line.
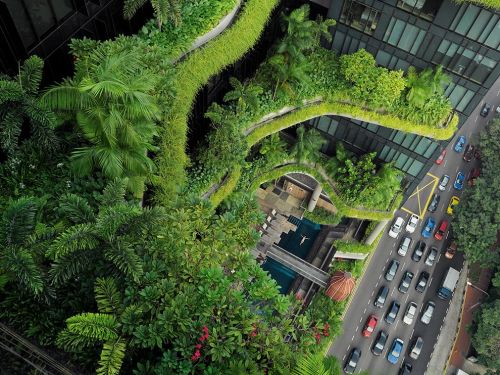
{"type": "Point", "coordinates": [464, 38]}
{"type": "Point", "coordinates": [44, 28]}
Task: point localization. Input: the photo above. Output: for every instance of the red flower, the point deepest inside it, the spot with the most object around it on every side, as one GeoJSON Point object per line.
{"type": "Point", "coordinates": [198, 346]}
{"type": "Point", "coordinates": [318, 337]}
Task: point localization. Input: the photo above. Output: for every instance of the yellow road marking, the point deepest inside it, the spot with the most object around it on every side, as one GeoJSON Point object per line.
{"type": "Point", "coordinates": [430, 174]}
{"type": "Point", "coordinates": [430, 195]}
{"type": "Point", "coordinates": [407, 210]}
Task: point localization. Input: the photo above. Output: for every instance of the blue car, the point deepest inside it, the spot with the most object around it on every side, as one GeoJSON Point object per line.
{"type": "Point", "coordinates": [459, 181]}
{"type": "Point", "coordinates": [395, 351]}
{"type": "Point", "coordinates": [430, 223]}
{"type": "Point", "coordinates": [459, 146]}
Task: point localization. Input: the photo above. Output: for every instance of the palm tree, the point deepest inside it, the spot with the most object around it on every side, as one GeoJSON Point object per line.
{"type": "Point", "coordinates": [286, 73]}
{"type": "Point", "coordinates": [115, 113]}
{"type": "Point", "coordinates": [439, 79]}
{"type": "Point", "coordinates": [425, 84]}
{"type": "Point", "coordinates": [317, 365]}
{"type": "Point", "coordinates": [19, 102]}
{"type": "Point", "coordinates": [308, 144]}
{"type": "Point", "coordinates": [245, 95]}
{"type": "Point", "coordinates": [164, 10]}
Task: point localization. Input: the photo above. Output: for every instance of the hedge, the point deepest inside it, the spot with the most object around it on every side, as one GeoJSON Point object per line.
{"type": "Point", "coordinates": [192, 74]}
{"type": "Point", "coordinates": [322, 216]}
{"type": "Point", "coordinates": [227, 187]}
{"type": "Point", "coordinates": [352, 247]}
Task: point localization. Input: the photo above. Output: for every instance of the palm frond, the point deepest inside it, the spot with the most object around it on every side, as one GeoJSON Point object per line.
{"type": "Point", "coordinates": [76, 238]}
{"type": "Point", "coordinates": [66, 96]}
{"type": "Point", "coordinates": [310, 365]}
{"type": "Point", "coordinates": [18, 221]}
{"type": "Point", "coordinates": [73, 342]}
{"type": "Point", "coordinates": [19, 262]}
{"type": "Point", "coordinates": [76, 209]}
{"type": "Point", "coordinates": [123, 256]}
{"type": "Point", "coordinates": [112, 356]}
{"type": "Point", "coordinates": [130, 7]}
{"type": "Point", "coordinates": [70, 266]}
{"type": "Point", "coordinates": [106, 295]}
{"type": "Point", "coordinates": [96, 326]}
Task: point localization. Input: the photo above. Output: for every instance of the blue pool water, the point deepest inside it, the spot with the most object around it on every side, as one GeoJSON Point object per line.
{"type": "Point", "coordinates": [283, 275]}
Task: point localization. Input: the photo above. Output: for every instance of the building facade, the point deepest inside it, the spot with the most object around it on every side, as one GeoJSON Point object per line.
{"type": "Point", "coordinates": [45, 27]}
{"type": "Point", "coordinates": [464, 38]}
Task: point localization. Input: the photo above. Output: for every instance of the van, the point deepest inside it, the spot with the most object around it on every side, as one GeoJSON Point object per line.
{"type": "Point", "coordinates": [416, 348]}
{"type": "Point", "coordinates": [381, 297]}
{"type": "Point", "coordinates": [404, 246]}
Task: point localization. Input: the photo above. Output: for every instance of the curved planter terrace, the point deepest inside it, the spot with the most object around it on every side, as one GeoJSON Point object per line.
{"type": "Point", "coordinates": [193, 72]}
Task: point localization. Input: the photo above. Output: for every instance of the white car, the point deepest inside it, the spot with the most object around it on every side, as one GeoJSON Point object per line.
{"type": "Point", "coordinates": [396, 227]}
{"type": "Point", "coordinates": [427, 314]}
{"type": "Point", "coordinates": [404, 246]}
{"type": "Point", "coordinates": [411, 310]}
{"type": "Point", "coordinates": [412, 223]}
{"type": "Point", "coordinates": [444, 182]}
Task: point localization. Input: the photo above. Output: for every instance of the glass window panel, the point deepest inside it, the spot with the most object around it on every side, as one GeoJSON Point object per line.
{"type": "Point", "coordinates": [418, 42]}
{"type": "Point", "coordinates": [324, 123]}
{"type": "Point", "coordinates": [465, 100]}
{"type": "Point", "coordinates": [400, 160]}
{"type": "Point", "coordinates": [493, 39]}
{"type": "Point", "coordinates": [479, 24]}
{"type": "Point", "coordinates": [408, 140]}
{"type": "Point", "coordinates": [62, 8]}
{"type": "Point", "coordinates": [407, 164]}
{"type": "Point", "coordinates": [383, 153]}
{"type": "Point", "coordinates": [431, 150]}
{"type": "Point", "coordinates": [41, 16]}
{"type": "Point", "coordinates": [488, 29]}
{"type": "Point", "coordinates": [467, 19]}
{"type": "Point", "coordinates": [457, 95]}
{"type": "Point", "coordinates": [408, 37]}
{"type": "Point", "coordinates": [333, 127]}
{"type": "Point", "coordinates": [22, 21]}
{"type": "Point", "coordinates": [390, 155]}
{"type": "Point", "coordinates": [338, 41]}
{"type": "Point", "coordinates": [415, 142]}
{"type": "Point", "coordinates": [360, 16]}
{"type": "Point", "coordinates": [372, 127]}
{"type": "Point", "coordinates": [396, 33]}
{"type": "Point", "coordinates": [415, 168]}
{"type": "Point", "coordinates": [398, 138]}
{"type": "Point", "coordinates": [422, 146]}
{"type": "Point", "coordinates": [383, 58]}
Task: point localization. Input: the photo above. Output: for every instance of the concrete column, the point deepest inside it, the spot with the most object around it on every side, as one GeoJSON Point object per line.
{"type": "Point", "coordinates": [376, 231]}
{"type": "Point", "coordinates": [314, 197]}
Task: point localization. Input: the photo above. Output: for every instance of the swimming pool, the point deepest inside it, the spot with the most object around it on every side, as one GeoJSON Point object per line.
{"type": "Point", "coordinates": [297, 244]}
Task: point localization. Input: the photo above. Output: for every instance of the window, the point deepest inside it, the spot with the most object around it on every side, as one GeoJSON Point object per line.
{"type": "Point", "coordinates": [360, 17]}
{"type": "Point", "coordinates": [424, 8]}
{"type": "Point", "coordinates": [464, 61]}
{"type": "Point", "coordinates": [459, 96]}
{"type": "Point", "coordinates": [404, 35]}
{"type": "Point", "coordinates": [478, 24]}
{"type": "Point", "coordinates": [391, 62]}
{"type": "Point", "coordinates": [345, 43]}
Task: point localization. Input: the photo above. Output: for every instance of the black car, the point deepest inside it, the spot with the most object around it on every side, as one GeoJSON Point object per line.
{"type": "Point", "coordinates": [485, 110]}
{"type": "Point", "coordinates": [422, 281]}
{"type": "Point", "coordinates": [381, 297]}
{"type": "Point", "coordinates": [469, 152]}
{"type": "Point", "coordinates": [352, 361]}
{"type": "Point", "coordinates": [392, 312]}
{"type": "Point", "coordinates": [406, 369]}
{"type": "Point", "coordinates": [405, 282]}
{"type": "Point", "coordinates": [391, 270]}
{"type": "Point", "coordinates": [434, 203]}
{"type": "Point", "coordinates": [419, 251]}
{"type": "Point", "coordinates": [379, 343]}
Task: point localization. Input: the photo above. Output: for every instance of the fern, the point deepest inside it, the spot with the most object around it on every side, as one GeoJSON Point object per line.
{"type": "Point", "coordinates": [30, 74]}
{"type": "Point", "coordinates": [69, 266]}
{"type": "Point", "coordinates": [114, 192]}
{"type": "Point", "coordinates": [94, 326]}
{"type": "Point", "coordinates": [112, 356]}
{"type": "Point", "coordinates": [20, 263]}
{"type": "Point", "coordinates": [111, 219]}
{"type": "Point", "coordinates": [311, 365]}
{"type": "Point", "coordinates": [73, 342]}
{"type": "Point", "coordinates": [76, 209]}
{"type": "Point", "coordinates": [76, 238]}
{"type": "Point", "coordinates": [106, 295]}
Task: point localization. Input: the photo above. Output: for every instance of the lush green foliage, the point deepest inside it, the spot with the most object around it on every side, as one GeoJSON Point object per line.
{"type": "Point", "coordinates": [164, 10]}
{"type": "Point", "coordinates": [476, 221]}
{"type": "Point", "coordinates": [486, 340]}
{"type": "Point", "coordinates": [322, 216]}
{"type": "Point", "coordinates": [486, 3]}
{"type": "Point", "coordinates": [352, 247]}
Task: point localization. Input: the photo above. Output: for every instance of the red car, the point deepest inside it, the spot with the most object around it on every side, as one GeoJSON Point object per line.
{"type": "Point", "coordinates": [443, 225]}
{"type": "Point", "coordinates": [370, 325]}
{"type": "Point", "coordinates": [469, 152]}
{"type": "Point", "coordinates": [474, 173]}
{"type": "Point", "coordinates": [441, 157]}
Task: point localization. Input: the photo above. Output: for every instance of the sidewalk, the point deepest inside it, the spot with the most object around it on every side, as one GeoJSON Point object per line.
{"type": "Point", "coordinates": [443, 347]}
{"type": "Point", "coordinates": [472, 301]}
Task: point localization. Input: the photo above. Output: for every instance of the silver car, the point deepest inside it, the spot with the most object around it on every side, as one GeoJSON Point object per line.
{"type": "Point", "coordinates": [416, 348]}
{"type": "Point", "coordinates": [444, 182]}
{"type": "Point", "coordinates": [428, 311]}
{"type": "Point", "coordinates": [404, 246]}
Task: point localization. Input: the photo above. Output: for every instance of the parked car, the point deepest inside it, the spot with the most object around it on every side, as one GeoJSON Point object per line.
{"type": "Point", "coordinates": [418, 251]}
{"type": "Point", "coordinates": [410, 313]}
{"type": "Point", "coordinates": [396, 227]}
{"type": "Point", "coordinates": [469, 153]}
{"type": "Point", "coordinates": [370, 325]}
{"type": "Point", "coordinates": [445, 179]}
{"type": "Point", "coordinates": [406, 369]}
{"type": "Point", "coordinates": [441, 230]}
{"type": "Point", "coordinates": [431, 256]}
{"type": "Point", "coordinates": [422, 281]}
{"type": "Point", "coordinates": [352, 361]}
{"type": "Point", "coordinates": [379, 343]}
{"type": "Point", "coordinates": [473, 175]}
{"type": "Point", "coordinates": [412, 223]}
{"type": "Point", "coordinates": [404, 246]}
{"type": "Point", "coordinates": [451, 250]}
{"type": "Point", "coordinates": [391, 270]}
{"type": "Point", "coordinates": [454, 201]}
{"type": "Point", "coordinates": [427, 313]}
{"type": "Point", "coordinates": [440, 159]}
{"type": "Point", "coordinates": [405, 282]}
{"type": "Point", "coordinates": [392, 312]}
{"type": "Point", "coordinates": [381, 297]}
{"type": "Point", "coordinates": [428, 227]}
{"type": "Point", "coordinates": [460, 143]}
{"type": "Point", "coordinates": [416, 348]}
{"type": "Point", "coordinates": [434, 202]}
{"type": "Point", "coordinates": [459, 181]}
{"type": "Point", "coordinates": [394, 353]}
{"type": "Point", "coordinates": [485, 110]}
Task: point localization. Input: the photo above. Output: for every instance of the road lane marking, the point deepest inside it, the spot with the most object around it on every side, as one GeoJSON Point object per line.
{"type": "Point", "coordinates": [348, 347]}
{"type": "Point", "coordinates": [456, 170]}
{"type": "Point", "coordinates": [413, 330]}
{"type": "Point", "coordinates": [447, 234]}
{"type": "Point", "coordinates": [404, 264]}
{"type": "Point", "coordinates": [394, 245]}
{"type": "Point", "coordinates": [369, 301]}
{"type": "Point", "coordinates": [396, 326]}
{"type": "Point", "coordinates": [380, 276]}
{"type": "Point", "coordinates": [364, 312]}
{"type": "Point", "coordinates": [360, 319]}
{"type": "Point", "coordinates": [444, 165]}
{"type": "Point", "coordinates": [357, 329]}
{"type": "Point", "coordinates": [430, 282]}
{"type": "Point", "coordinates": [352, 337]}
{"type": "Point", "coordinates": [343, 358]}
{"type": "Point", "coordinates": [407, 210]}
{"type": "Point", "coordinates": [439, 257]}
{"type": "Point", "coordinates": [407, 296]}
{"type": "Point", "coordinates": [386, 260]}
{"type": "Point", "coordinates": [476, 118]}
{"type": "Point", "coordinates": [373, 292]}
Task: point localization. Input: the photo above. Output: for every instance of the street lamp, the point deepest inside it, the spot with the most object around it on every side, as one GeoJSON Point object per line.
{"type": "Point", "coordinates": [475, 287]}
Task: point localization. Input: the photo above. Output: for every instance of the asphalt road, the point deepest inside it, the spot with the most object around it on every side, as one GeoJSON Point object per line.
{"type": "Point", "coordinates": [362, 303]}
